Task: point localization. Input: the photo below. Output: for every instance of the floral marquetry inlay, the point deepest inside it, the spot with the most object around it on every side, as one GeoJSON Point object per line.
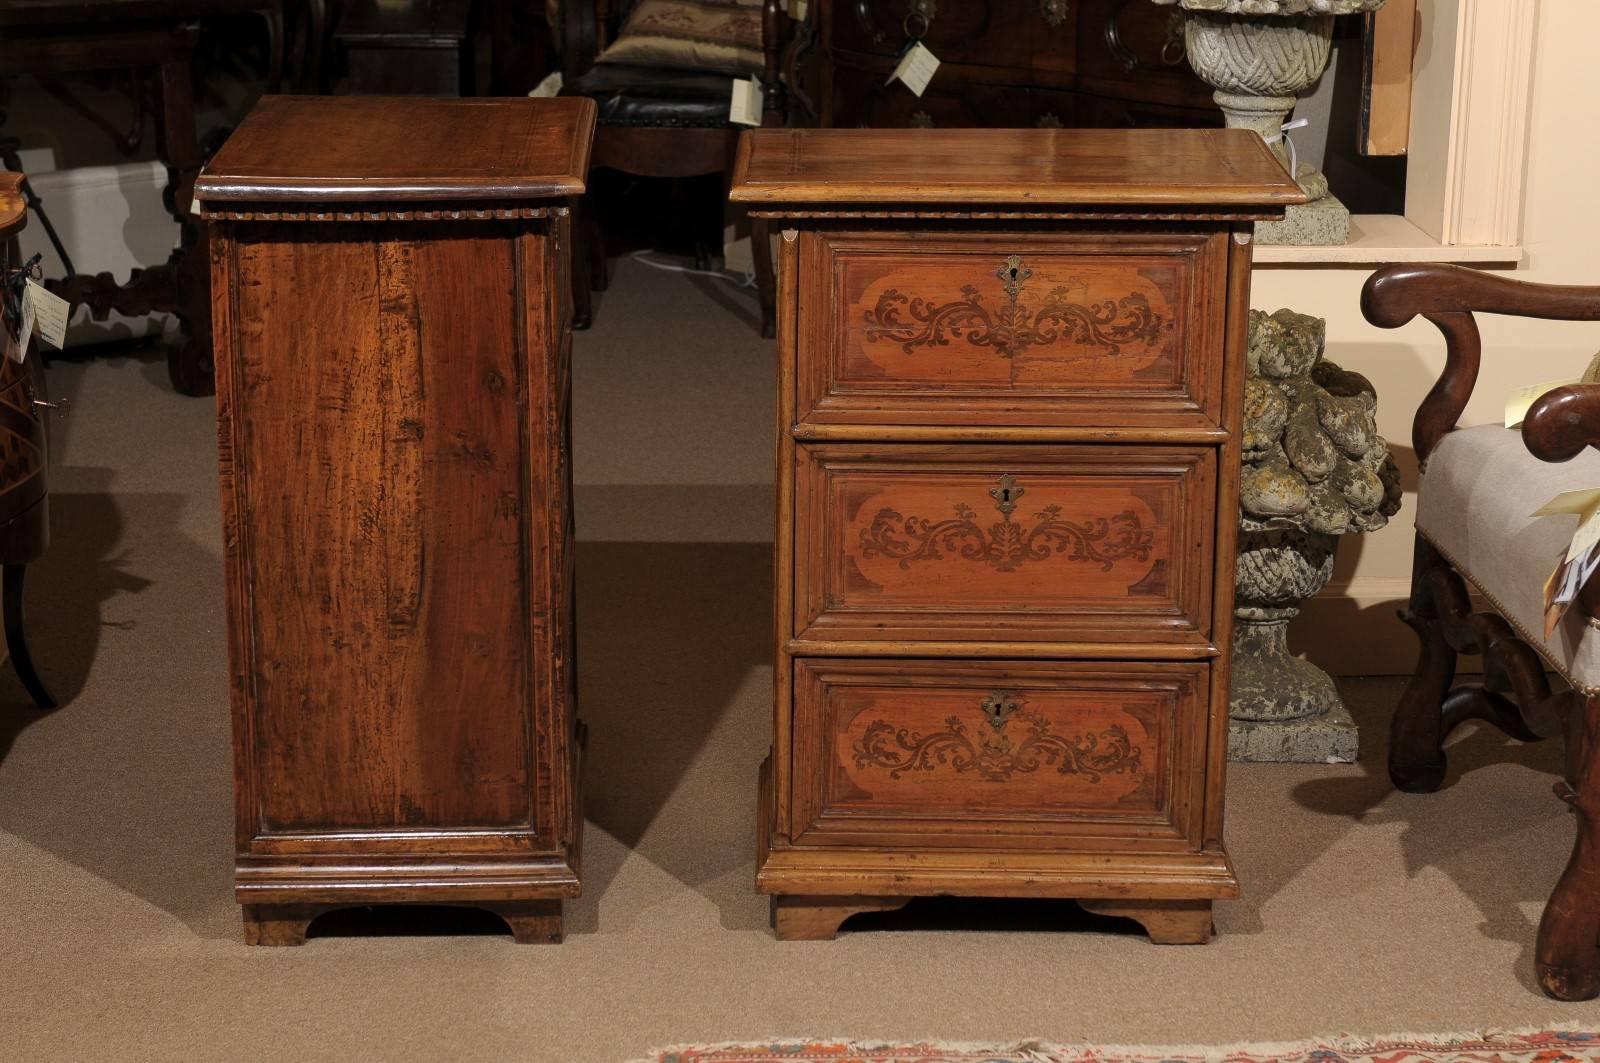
{"type": "Point", "coordinates": [1006, 545]}
{"type": "Point", "coordinates": [1013, 325]}
{"type": "Point", "coordinates": [1011, 741]}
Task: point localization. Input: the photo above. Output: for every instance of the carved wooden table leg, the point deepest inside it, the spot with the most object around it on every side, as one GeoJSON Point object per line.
{"type": "Point", "coordinates": [797, 918]}
{"type": "Point", "coordinates": [1568, 952]}
{"type": "Point", "coordinates": [1167, 922]}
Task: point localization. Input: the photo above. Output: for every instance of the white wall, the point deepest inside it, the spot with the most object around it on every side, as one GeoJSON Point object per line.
{"type": "Point", "coordinates": [1561, 237]}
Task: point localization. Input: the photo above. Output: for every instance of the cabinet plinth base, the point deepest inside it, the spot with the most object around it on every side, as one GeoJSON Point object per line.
{"type": "Point", "coordinates": [1167, 922]}
{"type": "Point", "coordinates": [530, 922]}
{"type": "Point", "coordinates": [819, 918]}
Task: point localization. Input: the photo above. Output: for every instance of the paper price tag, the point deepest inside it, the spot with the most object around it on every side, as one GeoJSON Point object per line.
{"type": "Point", "coordinates": [50, 313]}
{"type": "Point", "coordinates": [916, 68]}
{"type": "Point", "coordinates": [745, 107]}
{"type": "Point", "coordinates": [797, 10]}
{"type": "Point", "coordinates": [1520, 400]}
{"type": "Point", "coordinates": [1580, 560]}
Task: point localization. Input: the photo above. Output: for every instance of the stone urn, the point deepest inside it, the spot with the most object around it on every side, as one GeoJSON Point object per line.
{"type": "Point", "coordinates": [1315, 469]}
{"type": "Point", "coordinates": [1260, 55]}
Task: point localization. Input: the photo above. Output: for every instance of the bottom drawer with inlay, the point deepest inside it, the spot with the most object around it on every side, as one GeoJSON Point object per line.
{"type": "Point", "coordinates": [998, 754]}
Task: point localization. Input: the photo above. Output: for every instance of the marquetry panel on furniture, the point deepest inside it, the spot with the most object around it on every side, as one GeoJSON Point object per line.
{"type": "Point", "coordinates": [393, 398]}
{"type": "Point", "coordinates": [978, 543]}
{"type": "Point", "coordinates": [1066, 755]}
{"type": "Point", "coordinates": [1010, 386]}
{"type": "Point", "coordinates": [975, 329]}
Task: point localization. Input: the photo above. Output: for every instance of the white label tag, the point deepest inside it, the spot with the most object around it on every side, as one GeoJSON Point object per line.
{"type": "Point", "coordinates": [1580, 560]}
{"type": "Point", "coordinates": [797, 10]}
{"type": "Point", "coordinates": [916, 68]}
{"type": "Point", "coordinates": [745, 107]}
{"type": "Point", "coordinates": [1520, 400]}
{"type": "Point", "coordinates": [50, 313]}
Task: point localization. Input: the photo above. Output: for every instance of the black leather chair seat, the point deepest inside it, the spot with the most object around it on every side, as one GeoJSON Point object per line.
{"type": "Point", "coordinates": [655, 96]}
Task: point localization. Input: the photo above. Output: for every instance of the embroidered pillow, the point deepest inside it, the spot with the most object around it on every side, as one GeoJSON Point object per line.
{"type": "Point", "coordinates": [690, 35]}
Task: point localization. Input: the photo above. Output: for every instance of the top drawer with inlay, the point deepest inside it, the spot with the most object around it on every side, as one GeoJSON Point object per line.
{"type": "Point", "coordinates": [1119, 331]}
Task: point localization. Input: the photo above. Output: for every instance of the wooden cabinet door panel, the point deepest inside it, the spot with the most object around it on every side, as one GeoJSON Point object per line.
{"type": "Point", "coordinates": [1014, 329]}
{"type": "Point", "coordinates": [993, 753]}
{"type": "Point", "coordinates": [390, 530]}
{"type": "Point", "coordinates": [993, 543]}
{"type": "Point", "coordinates": [992, 32]}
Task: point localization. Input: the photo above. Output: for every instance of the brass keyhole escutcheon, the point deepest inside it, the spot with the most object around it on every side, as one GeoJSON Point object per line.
{"type": "Point", "coordinates": [997, 707]}
{"type": "Point", "coordinates": [1013, 275]}
{"type": "Point", "coordinates": [1005, 495]}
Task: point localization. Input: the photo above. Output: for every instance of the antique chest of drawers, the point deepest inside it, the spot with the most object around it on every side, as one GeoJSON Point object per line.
{"type": "Point", "coordinates": [1011, 370]}
{"type": "Point", "coordinates": [391, 315]}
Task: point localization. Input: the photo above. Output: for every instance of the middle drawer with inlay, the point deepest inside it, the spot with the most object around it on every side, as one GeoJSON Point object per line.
{"type": "Point", "coordinates": [1075, 548]}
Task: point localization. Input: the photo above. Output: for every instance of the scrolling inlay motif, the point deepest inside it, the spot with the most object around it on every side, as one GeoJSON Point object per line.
{"type": "Point", "coordinates": [997, 753]}
{"type": "Point", "coordinates": [1012, 327]}
{"type": "Point", "coordinates": [1006, 545]}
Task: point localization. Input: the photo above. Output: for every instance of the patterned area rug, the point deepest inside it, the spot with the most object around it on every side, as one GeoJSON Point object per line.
{"type": "Point", "coordinates": [1527, 1046]}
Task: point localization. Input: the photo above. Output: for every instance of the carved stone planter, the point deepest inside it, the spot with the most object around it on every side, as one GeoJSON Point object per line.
{"type": "Point", "coordinates": [1315, 469]}
{"type": "Point", "coordinates": [1260, 55]}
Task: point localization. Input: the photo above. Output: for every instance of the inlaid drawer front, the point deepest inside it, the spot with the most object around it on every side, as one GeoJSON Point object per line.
{"type": "Point", "coordinates": [1087, 544]}
{"type": "Point", "coordinates": [1098, 330]}
{"type": "Point", "coordinates": [974, 751]}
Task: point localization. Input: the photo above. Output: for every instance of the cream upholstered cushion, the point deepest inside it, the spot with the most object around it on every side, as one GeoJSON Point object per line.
{"type": "Point", "coordinates": [1476, 504]}
{"type": "Point", "coordinates": [721, 36]}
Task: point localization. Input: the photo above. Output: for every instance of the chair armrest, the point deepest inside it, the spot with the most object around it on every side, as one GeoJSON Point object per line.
{"type": "Point", "coordinates": [1448, 296]}
{"type": "Point", "coordinates": [582, 36]}
{"type": "Point", "coordinates": [1563, 422]}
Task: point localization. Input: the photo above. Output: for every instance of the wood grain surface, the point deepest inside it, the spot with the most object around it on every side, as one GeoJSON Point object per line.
{"type": "Point", "coordinates": [1219, 170]}
{"type": "Point", "coordinates": [349, 148]}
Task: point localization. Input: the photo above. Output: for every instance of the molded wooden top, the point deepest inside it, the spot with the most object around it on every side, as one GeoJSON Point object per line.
{"type": "Point", "coordinates": [375, 149]}
{"type": "Point", "coordinates": [12, 209]}
{"type": "Point", "coordinates": [1226, 169]}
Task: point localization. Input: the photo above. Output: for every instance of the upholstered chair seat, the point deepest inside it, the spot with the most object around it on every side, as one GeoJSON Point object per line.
{"type": "Point", "coordinates": [655, 97]}
{"type": "Point", "coordinates": [1476, 507]}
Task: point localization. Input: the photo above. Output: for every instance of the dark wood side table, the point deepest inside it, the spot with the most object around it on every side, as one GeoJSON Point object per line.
{"type": "Point", "coordinates": [45, 37]}
{"type": "Point", "coordinates": [393, 312]}
{"type": "Point", "coordinates": [1010, 378]}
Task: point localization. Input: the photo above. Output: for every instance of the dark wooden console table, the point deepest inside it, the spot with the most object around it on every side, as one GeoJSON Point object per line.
{"type": "Point", "coordinates": [47, 37]}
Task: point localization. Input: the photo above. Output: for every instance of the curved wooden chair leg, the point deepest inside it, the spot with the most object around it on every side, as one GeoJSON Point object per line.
{"type": "Point", "coordinates": [1568, 953]}
{"type": "Point", "coordinates": [1416, 733]}
{"type": "Point", "coordinates": [11, 583]}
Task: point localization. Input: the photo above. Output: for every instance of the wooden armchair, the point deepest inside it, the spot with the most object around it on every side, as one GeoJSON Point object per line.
{"type": "Point", "coordinates": [1478, 489]}
{"type": "Point", "coordinates": [662, 72]}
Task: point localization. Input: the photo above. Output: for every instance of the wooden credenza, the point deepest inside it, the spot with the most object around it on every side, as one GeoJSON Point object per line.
{"type": "Point", "coordinates": [392, 319]}
{"type": "Point", "coordinates": [1011, 370]}
{"type": "Point", "coordinates": [1009, 64]}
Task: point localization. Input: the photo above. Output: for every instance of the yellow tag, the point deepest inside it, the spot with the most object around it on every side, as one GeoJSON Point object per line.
{"type": "Point", "coordinates": [1519, 401]}
{"type": "Point", "coordinates": [916, 68]}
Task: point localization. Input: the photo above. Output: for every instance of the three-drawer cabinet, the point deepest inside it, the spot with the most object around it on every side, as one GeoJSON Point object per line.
{"type": "Point", "coordinates": [1010, 377]}
{"type": "Point", "coordinates": [392, 319]}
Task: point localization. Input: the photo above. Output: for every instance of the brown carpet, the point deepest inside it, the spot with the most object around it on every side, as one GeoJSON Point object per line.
{"type": "Point", "coordinates": [1365, 911]}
